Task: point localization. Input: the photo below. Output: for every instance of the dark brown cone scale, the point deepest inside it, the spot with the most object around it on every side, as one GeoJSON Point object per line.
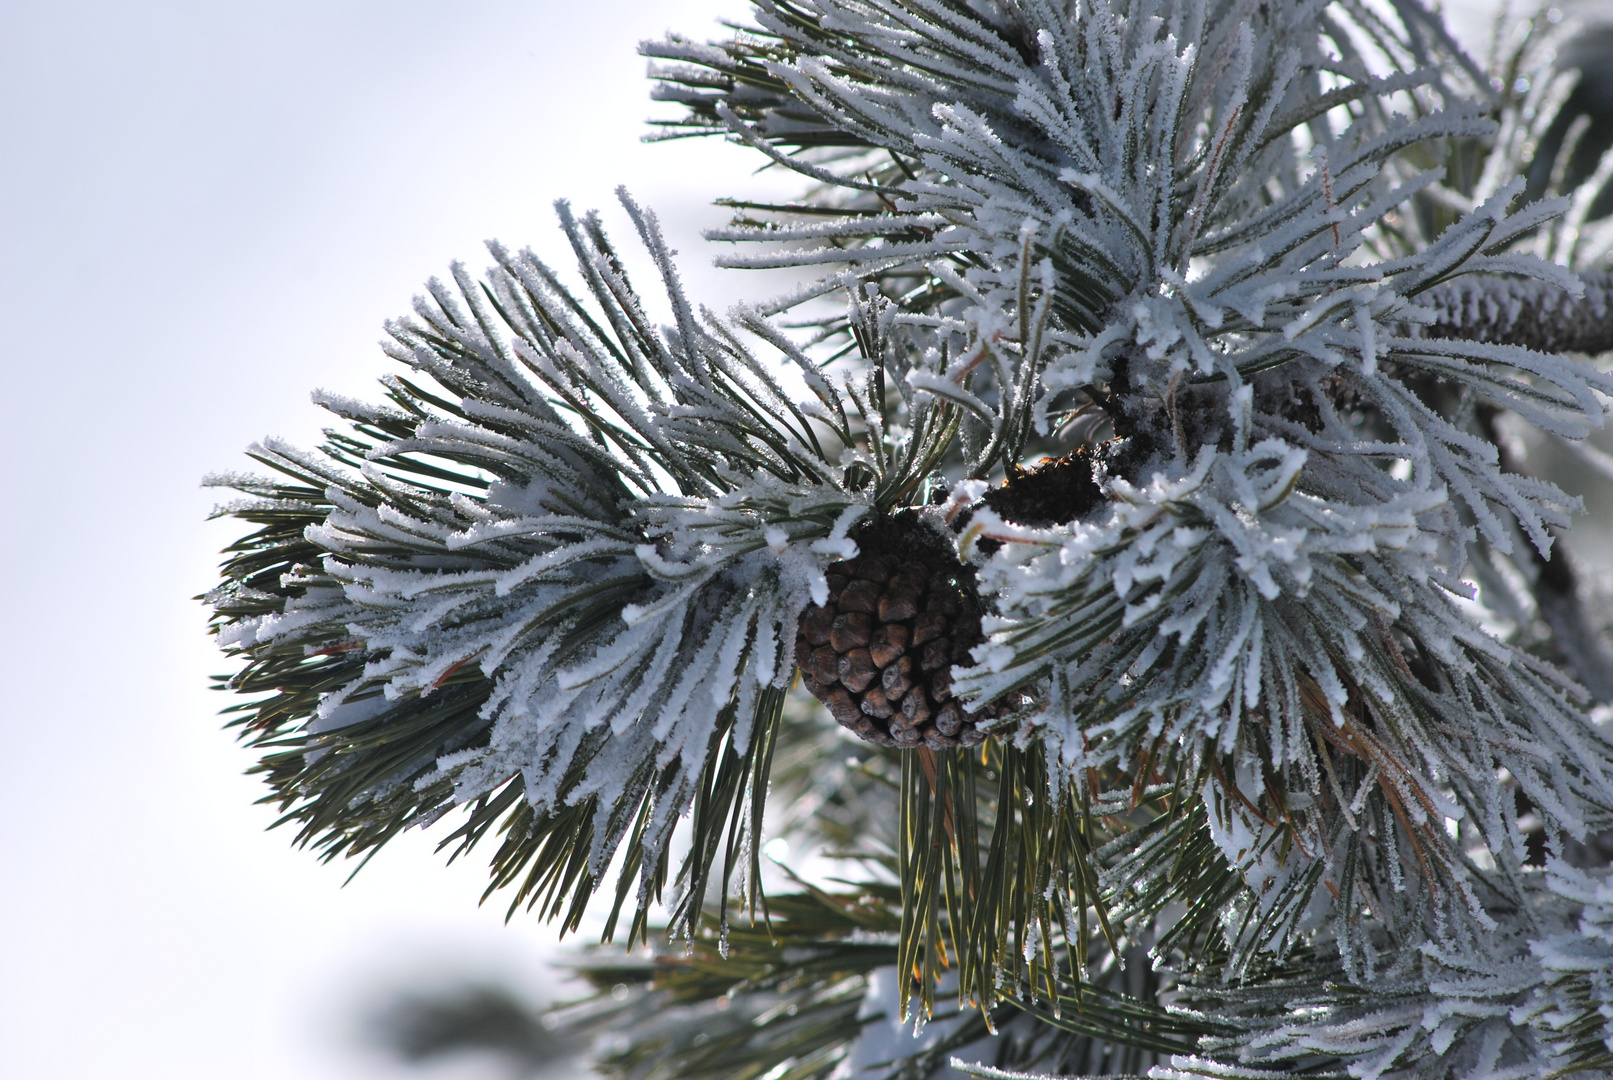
{"type": "Point", "coordinates": [880, 653]}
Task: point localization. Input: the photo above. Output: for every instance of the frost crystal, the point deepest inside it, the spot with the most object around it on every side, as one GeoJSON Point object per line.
{"type": "Point", "coordinates": [1309, 655]}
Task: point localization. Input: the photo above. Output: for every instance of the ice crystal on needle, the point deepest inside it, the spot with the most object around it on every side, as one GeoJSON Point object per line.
{"type": "Point", "coordinates": [564, 578]}
{"type": "Point", "coordinates": [1187, 326]}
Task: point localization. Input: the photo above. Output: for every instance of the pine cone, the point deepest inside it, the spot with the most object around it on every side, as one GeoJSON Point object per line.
{"type": "Point", "coordinates": [1056, 491]}
{"type": "Point", "coordinates": [880, 652]}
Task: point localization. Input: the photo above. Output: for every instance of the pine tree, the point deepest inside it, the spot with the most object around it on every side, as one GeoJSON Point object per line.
{"type": "Point", "coordinates": [1163, 360]}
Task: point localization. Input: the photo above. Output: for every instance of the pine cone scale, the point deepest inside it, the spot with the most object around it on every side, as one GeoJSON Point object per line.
{"type": "Point", "coordinates": [857, 670]}
{"type": "Point", "coordinates": [890, 641]}
{"type": "Point", "coordinates": [879, 653]}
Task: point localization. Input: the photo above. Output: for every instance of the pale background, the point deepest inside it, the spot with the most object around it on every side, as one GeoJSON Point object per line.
{"type": "Point", "coordinates": [206, 210]}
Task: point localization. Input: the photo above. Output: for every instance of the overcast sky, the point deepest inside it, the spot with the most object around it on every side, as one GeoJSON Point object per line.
{"type": "Point", "coordinates": [208, 210]}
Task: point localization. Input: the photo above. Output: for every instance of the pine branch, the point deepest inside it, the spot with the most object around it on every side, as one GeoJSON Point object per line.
{"type": "Point", "coordinates": [1555, 588]}
{"type": "Point", "coordinates": [1536, 315]}
{"type": "Point", "coordinates": [1268, 265]}
{"type": "Point", "coordinates": [532, 484]}
{"type": "Point", "coordinates": [741, 1002]}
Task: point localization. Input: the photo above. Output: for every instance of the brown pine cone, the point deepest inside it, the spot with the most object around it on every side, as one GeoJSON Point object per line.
{"type": "Point", "coordinates": [880, 652]}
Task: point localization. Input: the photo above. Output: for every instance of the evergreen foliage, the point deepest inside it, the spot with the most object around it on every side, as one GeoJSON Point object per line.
{"type": "Point", "coordinates": [1303, 768]}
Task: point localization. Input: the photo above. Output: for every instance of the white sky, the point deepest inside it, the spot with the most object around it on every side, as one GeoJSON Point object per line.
{"type": "Point", "coordinates": [207, 210]}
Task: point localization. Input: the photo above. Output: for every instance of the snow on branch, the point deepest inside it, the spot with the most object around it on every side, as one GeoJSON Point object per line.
{"type": "Point", "coordinates": [1536, 315]}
